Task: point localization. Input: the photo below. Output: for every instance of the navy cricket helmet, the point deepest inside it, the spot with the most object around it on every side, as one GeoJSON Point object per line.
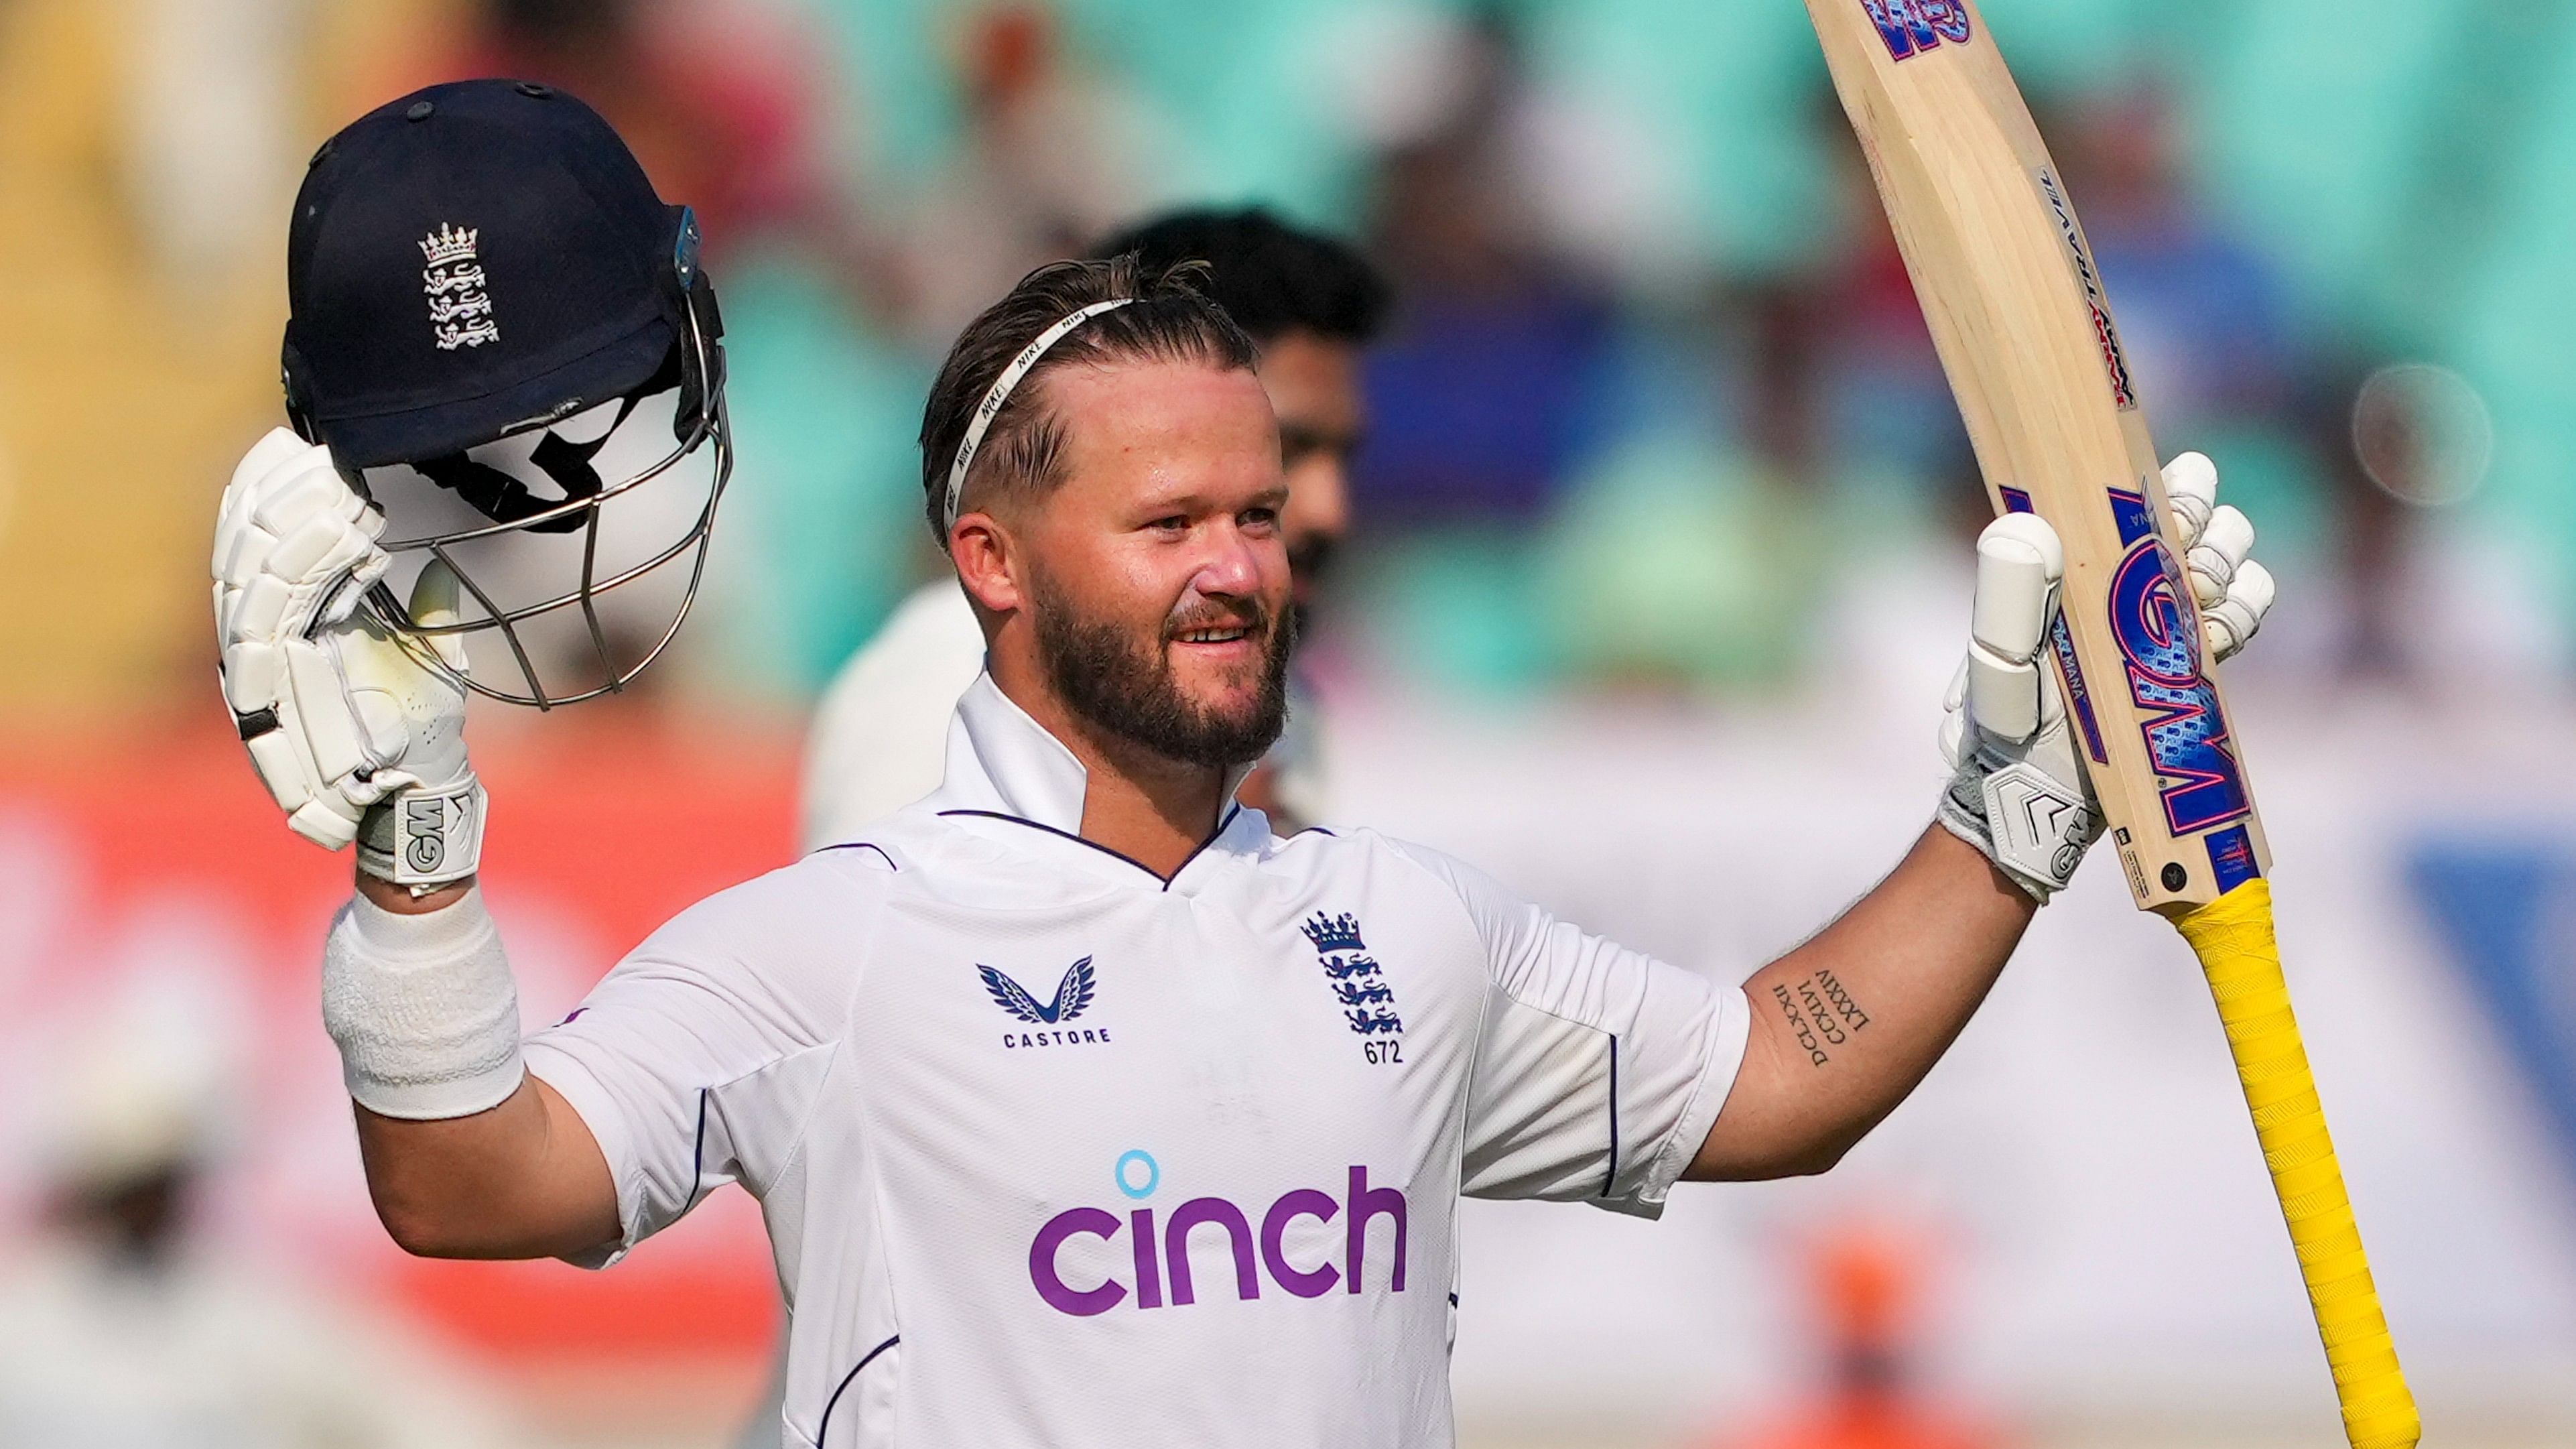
{"type": "Point", "coordinates": [489, 304]}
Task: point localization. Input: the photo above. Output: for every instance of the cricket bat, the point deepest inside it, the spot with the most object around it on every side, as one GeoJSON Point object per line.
{"type": "Point", "coordinates": [2025, 332]}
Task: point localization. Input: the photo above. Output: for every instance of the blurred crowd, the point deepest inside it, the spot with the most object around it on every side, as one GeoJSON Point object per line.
{"type": "Point", "coordinates": [1657, 402]}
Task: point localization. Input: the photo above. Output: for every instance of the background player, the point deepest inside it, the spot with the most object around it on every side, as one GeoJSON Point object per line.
{"type": "Point", "coordinates": [1312, 304]}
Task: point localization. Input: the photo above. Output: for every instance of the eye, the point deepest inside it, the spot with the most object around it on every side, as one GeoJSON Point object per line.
{"type": "Point", "coordinates": [1260, 519]}
{"type": "Point", "coordinates": [1172, 524]}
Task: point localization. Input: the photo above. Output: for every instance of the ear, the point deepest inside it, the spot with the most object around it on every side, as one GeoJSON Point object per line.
{"type": "Point", "coordinates": [987, 559]}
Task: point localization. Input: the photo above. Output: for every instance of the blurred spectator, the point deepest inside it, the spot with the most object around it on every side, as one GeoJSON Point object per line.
{"type": "Point", "coordinates": [1865, 1285]}
{"type": "Point", "coordinates": [209, 115]}
{"type": "Point", "coordinates": [2225, 366]}
{"type": "Point", "coordinates": [722, 102]}
{"type": "Point", "coordinates": [1491, 388]}
{"type": "Point", "coordinates": [2204, 313]}
{"type": "Point", "coordinates": [1051, 156]}
{"type": "Point", "coordinates": [715, 99]}
{"type": "Point", "coordinates": [1843, 383]}
{"type": "Point", "coordinates": [121, 1327]}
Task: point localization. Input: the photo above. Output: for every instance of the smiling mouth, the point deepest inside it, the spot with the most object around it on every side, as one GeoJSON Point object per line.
{"type": "Point", "coordinates": [1226, 635]}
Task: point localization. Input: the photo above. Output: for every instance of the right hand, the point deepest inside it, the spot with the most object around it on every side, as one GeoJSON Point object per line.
{"type": "Point", "coordinates": [355, 735]}
{"type": "Point", "coordinates": [2020, 791]}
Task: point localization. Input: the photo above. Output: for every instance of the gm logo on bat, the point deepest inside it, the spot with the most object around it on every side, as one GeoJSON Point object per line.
{"type": "Point", "coordinates": [2187, 738]}
{"type": "Point", "coordinates": [1911, 27]}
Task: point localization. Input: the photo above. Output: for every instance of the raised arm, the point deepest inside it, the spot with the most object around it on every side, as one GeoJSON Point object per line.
{"type": "Point", "coordinates": [1846, 1025]}
{"type": "Point", "coordinates": [361, 742]}
{"type": "Point", "coordinates": [523, 1179]}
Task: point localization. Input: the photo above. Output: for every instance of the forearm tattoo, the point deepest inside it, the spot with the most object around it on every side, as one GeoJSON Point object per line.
{"type": "Point", "coordinates": [1821, 1013]}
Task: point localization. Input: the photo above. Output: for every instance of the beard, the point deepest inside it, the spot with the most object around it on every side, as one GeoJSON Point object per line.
{"type": "Point", "coordinates": [1123, 685]}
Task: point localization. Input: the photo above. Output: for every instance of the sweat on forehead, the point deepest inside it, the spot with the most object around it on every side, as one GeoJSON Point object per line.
{"type": "Point", "coordinates": [1099, 313]}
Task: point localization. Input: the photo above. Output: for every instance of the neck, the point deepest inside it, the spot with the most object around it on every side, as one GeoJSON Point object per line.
{"type": "Point", "coordinates": [1152, 809]}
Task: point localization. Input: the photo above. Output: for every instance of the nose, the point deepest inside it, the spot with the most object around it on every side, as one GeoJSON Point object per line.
{"type": "Point", "coordinates": [1231, 569]}
{"type": "Point", "coordinates": [1235, 564]}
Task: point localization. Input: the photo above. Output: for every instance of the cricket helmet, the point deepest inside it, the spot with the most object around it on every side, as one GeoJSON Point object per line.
{"type": "Point", "coordinates": [506, 340]}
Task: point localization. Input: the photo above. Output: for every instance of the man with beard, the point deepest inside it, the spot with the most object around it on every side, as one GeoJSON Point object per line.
{"type": "Point", "coordinates": [1084, 1109]}
{"type": "Point", "coordinates": [1312, 305]}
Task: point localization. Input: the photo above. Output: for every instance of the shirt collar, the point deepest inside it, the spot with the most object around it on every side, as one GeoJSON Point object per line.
{"type": "Point", "coordinates": [1003, 762]}
{"type": "Point", "coordinates": [1008, 775]}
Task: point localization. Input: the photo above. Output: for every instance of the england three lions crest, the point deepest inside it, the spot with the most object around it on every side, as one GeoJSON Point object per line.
{"type": "Point", "coordinates": [1359, 985]}
{"type": "Point", "coordinates": [460, 309]}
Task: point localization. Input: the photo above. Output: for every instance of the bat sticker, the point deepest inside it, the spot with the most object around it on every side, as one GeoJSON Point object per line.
{"type": "Point", "coordinates": [2061, 642]}
{"type": "Point", "coordinates": [2115, 360]}
{"type": "Point", "coordinates": [2187, 738]}
{"type": "Point", "coordinates": [1912, 26]}
{"type": "Point", "coordinates": [2231, 856]}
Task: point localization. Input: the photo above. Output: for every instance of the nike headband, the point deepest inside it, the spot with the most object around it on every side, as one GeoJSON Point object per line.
{"type": "Point", "coordinates": [1000, 393]}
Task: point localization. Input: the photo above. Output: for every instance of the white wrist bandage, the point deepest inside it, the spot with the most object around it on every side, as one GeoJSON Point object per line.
{"type": "Point", "coordinates": [423, 1008]}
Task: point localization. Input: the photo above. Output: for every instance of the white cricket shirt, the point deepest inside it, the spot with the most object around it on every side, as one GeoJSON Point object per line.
{"type": "Point", "coordinates": [1056, 1152]}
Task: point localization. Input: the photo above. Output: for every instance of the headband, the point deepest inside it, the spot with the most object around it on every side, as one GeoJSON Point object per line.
{"type": "Point", "coordinates": [1000, 393]}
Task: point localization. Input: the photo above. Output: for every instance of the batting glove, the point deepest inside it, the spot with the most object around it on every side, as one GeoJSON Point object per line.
{"type": "Point", "coordinates": [2018, 791]}
{"type": "Point", "coordinates": [355, 735]}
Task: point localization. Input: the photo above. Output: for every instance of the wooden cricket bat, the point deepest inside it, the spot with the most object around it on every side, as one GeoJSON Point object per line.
{"type": "Point", "coordinates": [2026, 335]}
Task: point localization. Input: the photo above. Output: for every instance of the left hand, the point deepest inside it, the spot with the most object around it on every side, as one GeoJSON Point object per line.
{"type": "Point", "coordinates": [2019, 792]}
{"type": "Point", "coordinates": [357, 737]}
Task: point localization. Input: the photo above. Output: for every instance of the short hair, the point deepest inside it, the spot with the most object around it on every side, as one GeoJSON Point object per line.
{"type": "Point", "coordinates": [1169, 320]}
{"type": "Point", "coordinates": [1270, 276]}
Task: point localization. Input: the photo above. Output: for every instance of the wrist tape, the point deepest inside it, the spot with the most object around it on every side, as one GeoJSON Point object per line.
{"type": "Point", "coordinates": [423, 1009]}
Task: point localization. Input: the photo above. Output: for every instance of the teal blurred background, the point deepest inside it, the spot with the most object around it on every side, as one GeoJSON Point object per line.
{"type": "Point", "coordinates": [2308, 192]}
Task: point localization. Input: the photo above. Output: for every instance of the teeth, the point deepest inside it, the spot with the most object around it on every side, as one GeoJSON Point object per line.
{"type": "Point", "coordinates": [1210, 636]}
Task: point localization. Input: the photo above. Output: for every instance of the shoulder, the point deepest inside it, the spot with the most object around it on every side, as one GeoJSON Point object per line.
{"type": "Point", "coordinates": [1377, 850]}
{"type": "Point", "coordinates": [1434, 877]}
{"type": "Point", "coordinates": [820, 902]}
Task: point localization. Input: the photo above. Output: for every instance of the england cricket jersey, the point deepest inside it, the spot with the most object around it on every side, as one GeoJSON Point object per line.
{"type": "Point", "coordinates": [1055, 1151]}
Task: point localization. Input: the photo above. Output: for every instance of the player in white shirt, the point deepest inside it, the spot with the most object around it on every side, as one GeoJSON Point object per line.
{"type": "Point", "coordinates": [1082, 1107]}
{"type": "Point", "coordinates": [1311, 304]}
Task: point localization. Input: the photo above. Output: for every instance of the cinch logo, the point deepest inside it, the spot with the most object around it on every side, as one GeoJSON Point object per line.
{"type": "Point", "coordinates": [1161, 1255]}
{"type": "Point", "coordinates": [1915, 25]}
{"type": "Point", "coordinates": [2187, 738]}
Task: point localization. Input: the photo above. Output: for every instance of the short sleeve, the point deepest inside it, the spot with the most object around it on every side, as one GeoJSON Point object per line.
{"type": "Point", "coordinates": [1598, 1069]}
{"type": "Point", "coordinates": [667, 1058]}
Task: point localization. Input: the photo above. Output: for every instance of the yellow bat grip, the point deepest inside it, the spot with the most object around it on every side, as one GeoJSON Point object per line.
{"type": "Point", "coordinates": [2233, 938]}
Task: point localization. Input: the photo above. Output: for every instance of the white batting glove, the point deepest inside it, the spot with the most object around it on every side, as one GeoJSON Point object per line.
{"type": "Point", "coordinates": [2019, 792]}
{"type": "Point", "coordinates": [2234, 592]}
{"type": "Point", "coordinates": [355, 737]}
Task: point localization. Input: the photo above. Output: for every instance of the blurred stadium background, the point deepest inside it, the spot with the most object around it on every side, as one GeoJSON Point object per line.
{"type": "Point", "coordinates": [1659, 576]}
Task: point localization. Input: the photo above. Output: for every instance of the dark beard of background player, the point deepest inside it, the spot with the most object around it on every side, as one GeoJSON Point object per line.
{"type": "Point", "coordinates": [1308, 560]}
{"type": "Point", "coordinates": [1102, 673]}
